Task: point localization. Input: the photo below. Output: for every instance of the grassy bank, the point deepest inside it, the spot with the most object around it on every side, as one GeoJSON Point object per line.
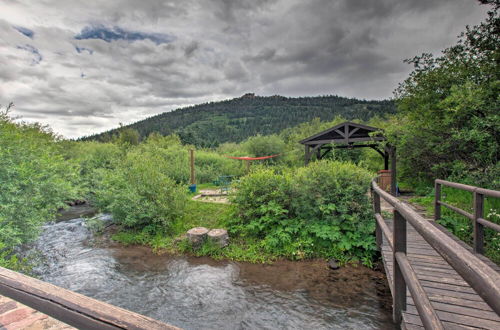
{"type": "Point", "coordinates": [209, 215]}
{"type": "Point", "coordinates": [461, 226]}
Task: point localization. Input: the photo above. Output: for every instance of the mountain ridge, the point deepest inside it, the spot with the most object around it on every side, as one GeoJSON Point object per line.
{"type": "Point", "coordinates": [233, 120]}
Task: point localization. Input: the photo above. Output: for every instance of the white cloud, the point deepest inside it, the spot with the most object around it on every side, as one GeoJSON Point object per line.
{"type": "Point", "coordinates": [213, 50]}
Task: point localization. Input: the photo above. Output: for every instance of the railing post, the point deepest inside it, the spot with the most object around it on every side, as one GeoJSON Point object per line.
{"type": "Point", "coordinates": [437, 198]}
{"type": "Point", "coordinates": [376, 208]}
{"type": "Point", "coordinates": [478, 228]}
{"type": "Point", "coordinates": [399, 240]}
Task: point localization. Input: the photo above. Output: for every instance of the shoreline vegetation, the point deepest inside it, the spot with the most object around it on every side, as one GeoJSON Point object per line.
{"type": "Point", "coordinates": [447, 126]}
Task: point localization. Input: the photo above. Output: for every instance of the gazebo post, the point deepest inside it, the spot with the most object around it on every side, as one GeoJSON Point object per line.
{"type": "Point", "coordinates": [318, 153]}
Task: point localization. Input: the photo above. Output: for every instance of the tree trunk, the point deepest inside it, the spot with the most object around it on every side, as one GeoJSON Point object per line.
{"type": "Point", "coordinates": [219, 237]}
{"type": "Point", "coordinates": [197, 235]}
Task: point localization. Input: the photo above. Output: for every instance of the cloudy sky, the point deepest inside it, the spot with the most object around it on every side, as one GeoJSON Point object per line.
{"type": "Point", "coordinates": [85, 66]}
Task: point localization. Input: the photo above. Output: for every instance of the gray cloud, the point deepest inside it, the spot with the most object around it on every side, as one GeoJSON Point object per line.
{"type": "Point", "coordinates": [133, 59]}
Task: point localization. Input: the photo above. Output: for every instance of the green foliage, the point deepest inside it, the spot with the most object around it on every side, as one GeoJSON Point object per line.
{"type": "Point", "coordinates": [139, 194]}
{"type": "Point", "coordinates": [211, 124]}
{"type": "Point", "coordinates": [461, 226]}
{"type": "Point", "coordinates": [36, 180]}
{"type": "Point", "coordinates": [93, 158]}
{"type": "Point", "coordinates": [259, 146]}
{"type": "Point", "coordinates": [320, 210]}
{"type": "Point", "coordinates": [450, 123]}
{"type": "Point", "coordinates": [128, 136]}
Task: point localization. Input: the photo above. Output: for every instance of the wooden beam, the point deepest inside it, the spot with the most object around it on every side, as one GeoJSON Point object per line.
{"type": "Point", "coordinates": [342, 141]}
{"type": "Point", "coordinates": [340, 132]}
{"type": "Point", "coordinates": [72, 308]}
{"type": "Point", "coordinates": [399, 283]}
{"type": "Point", "coordinates": [353, 131]}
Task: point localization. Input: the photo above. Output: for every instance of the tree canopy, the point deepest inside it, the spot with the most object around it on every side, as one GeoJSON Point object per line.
{"type": "Point", "coordinates": [449, 123]}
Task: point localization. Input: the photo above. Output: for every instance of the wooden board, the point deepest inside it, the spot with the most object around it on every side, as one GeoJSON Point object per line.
{"type": "Point", "coordinates": [72, 308]}
{"type": "Point", "coordinates": [457, 305]}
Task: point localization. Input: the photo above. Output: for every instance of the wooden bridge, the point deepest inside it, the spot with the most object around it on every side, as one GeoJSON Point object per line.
{"type": "Point", "coordinates": [436, 280]}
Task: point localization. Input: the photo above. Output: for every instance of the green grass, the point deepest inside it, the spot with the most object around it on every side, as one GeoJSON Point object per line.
{"type": "Point", "coordinates": [461, 226]}
{"type": "Point", "coordinates": [209, 215]}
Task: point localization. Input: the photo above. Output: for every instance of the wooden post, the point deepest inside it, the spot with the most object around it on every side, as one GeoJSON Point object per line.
{"type": "Point", "coordinates": [393, 172]}
{"type": "Point", "coordinates": [248, 166]}
{"type": "Point", "coordinates": [193, 175]}
{"type": "Point", "coordinates": [478, 228]}
{"type": "Point", "coordinates": [399, 239]}
{"type": "Point", "coordinates": [376, 208]}
{"type": "Point", "coordinates": [437, 198]}
{"type": "Point", "coordinates": [386, 160]}
{"type": "Point", "coordinates": [307, 155]}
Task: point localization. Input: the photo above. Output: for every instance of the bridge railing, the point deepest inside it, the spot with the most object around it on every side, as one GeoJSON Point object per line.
{"type": "Point", "coordinates": [72, 308]}
{"type": "Point", "coordinates": [477, 217]}
{"type": "Point", "coordinates": [481, 277]}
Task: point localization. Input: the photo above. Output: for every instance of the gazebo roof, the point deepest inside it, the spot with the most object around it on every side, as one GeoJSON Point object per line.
{"type": "Point", "coordinates": [345, 133]}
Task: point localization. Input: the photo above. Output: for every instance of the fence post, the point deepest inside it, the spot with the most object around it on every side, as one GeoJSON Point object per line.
{"type": "Point", "coordinates": [437, 198]}
{"type": "Point", "coordinates": [376, 208]}
{"type": "Point", "coordinates": [478, 228]}
{"type": "Point", "coordinates": [399, 241]}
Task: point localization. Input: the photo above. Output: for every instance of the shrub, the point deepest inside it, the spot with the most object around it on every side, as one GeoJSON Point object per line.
{"type": "Point", "coordinates": [260, 146]}
{"type": "Point", "coordinates": [321, 210]}
{"type": "Point", "coordinates": [139, 194]}
{"type": "Point", "coordinates": [36, 180]}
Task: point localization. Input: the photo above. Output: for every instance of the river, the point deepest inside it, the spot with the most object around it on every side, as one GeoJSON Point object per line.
{"type": "Point", "coordinates": [195, 293]}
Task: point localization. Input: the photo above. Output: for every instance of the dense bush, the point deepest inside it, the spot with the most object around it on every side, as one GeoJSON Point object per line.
{"type": "Point", "coordinates": [173, 158]}
{"type": "Point", "coordinates": [139, 194]}
{"type": "Point", "coordinates": [319, 210]}
{"type": "Point", "coordinates": [36, 181]}
{"type": "Point", "coordinates": [259, 146]}
{"type": "Point", "coordinates": [92, 158]}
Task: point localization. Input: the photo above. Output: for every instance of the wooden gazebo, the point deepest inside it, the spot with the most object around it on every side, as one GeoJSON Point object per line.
{"type": "Point", "coordinates": [350, 135]}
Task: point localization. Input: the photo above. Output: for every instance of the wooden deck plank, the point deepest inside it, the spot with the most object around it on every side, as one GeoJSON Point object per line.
{"type": "Point", "coordinates": [456, 303]}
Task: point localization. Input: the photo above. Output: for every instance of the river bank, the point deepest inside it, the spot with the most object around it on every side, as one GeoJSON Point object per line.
{"type": "Point", "coordinates": [194, 292]}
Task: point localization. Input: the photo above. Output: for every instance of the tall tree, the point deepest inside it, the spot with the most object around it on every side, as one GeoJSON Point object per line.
{"type": "Point", "coordinates": [449, 107]}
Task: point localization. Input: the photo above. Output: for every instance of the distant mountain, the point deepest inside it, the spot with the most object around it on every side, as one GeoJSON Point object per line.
{"type": "Point", "coordinates": [209, 124]}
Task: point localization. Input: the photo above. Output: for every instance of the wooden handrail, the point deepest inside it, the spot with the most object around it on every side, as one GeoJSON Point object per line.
{"type": "Point", "coordinates": [385, 229]}
{"type": "Point", "coordinates": [428, 315]}
{"type": "Point", "coordinates": [72, 308]}
{"type": "Point", "coordinates": [461, 186]}
{"type": "Point", "coordinates": [478, 221]}
{"type": "Point", "coordinates": [481, 277]}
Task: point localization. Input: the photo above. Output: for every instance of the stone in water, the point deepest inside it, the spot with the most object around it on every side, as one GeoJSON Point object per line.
{"type": "Point", "coordinates": [333, 264]}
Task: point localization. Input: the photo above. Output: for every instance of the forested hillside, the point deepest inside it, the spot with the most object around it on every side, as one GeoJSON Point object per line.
{"type": "Point", "coordinates": [209, 124]}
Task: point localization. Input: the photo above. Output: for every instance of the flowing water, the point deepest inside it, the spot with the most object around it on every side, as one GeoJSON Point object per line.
{"type": "Point", "coordinates": [196, 293]}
